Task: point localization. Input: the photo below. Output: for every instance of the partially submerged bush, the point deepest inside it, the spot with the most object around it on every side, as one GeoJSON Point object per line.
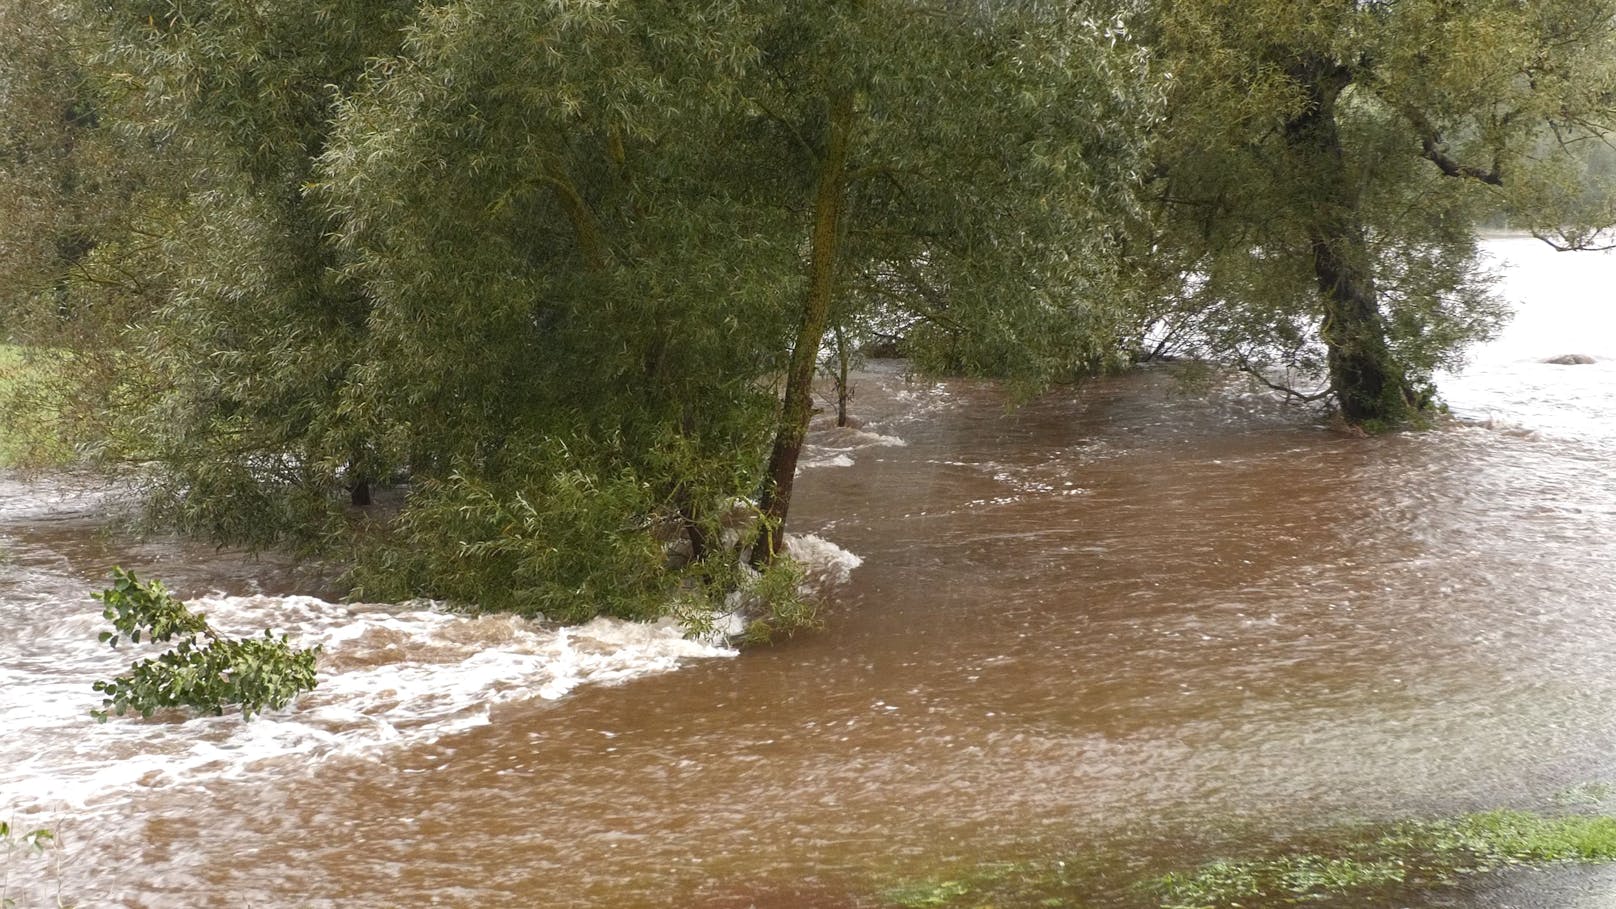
{"type": "Point", "coordinates": [758, 607]}
{"type": "Point", "coordinates": [779, 608]}
{"type": "Point", "coordinates": [554, 540]}
{"type": "Point", "coordinates": [205, 671]}
{"type": "Point", "coordinates": [568, 532]}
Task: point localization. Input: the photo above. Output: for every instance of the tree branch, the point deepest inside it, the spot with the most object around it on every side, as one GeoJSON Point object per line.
{"type": "Point", "coordinates": [1578, 243]}
{"type": "Point", "coordinates": [1431, 149]}
{"type": "Point", "coordinates": [1246, 367]}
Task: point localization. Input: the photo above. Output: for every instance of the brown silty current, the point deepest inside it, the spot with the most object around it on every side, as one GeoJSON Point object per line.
{"type": "Point", "coordinates": [1130, 621]}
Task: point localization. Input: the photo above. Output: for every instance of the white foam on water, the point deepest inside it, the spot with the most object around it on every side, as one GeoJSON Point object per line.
{"type": "Point", "coordinates": [833, 446]}
{"type": "Point", "coordinates": [389, 677]}
{"type": "Point", "coordinates": [824, 563]}
{"type": "Point", "coordinates": [848, 438]}
{"type": "Point", "coordinates": [818, 457]}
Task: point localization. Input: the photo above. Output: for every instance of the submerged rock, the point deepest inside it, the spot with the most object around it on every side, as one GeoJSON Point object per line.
{"type": "Point", "coordinates": [1570, 360]}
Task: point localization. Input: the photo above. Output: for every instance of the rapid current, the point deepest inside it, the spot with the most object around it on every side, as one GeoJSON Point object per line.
{"type": "Point", "coordinates": [1141, 621]}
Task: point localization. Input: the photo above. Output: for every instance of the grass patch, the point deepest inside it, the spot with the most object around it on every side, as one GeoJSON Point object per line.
{"type": "Point", "coordinates": [1422, 853]}
{"type": "Point", "coordinates": [1288, 878]}
{"type": "Point", "coordinates": [1031, 884]}
{"type": "Point", "coordinates": [1353, 863]}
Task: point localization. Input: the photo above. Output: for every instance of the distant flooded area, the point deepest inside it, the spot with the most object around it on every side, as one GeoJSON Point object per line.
{"type": "Point", "coordinates": [1146, 622]}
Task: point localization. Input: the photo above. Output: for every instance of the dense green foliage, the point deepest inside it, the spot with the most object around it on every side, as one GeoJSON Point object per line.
{"type": "Point", "coordinates": [1323, 166]}
{"type": "Point", "coordinates": [552, 269]}
{"type": "Point", "coordinates": [204, 670]}
{"type": "Point", "coordinates": [510, 302]}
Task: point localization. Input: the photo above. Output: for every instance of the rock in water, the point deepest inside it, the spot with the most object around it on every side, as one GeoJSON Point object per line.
{"type": "Point", "coordinates": [1570, 360]}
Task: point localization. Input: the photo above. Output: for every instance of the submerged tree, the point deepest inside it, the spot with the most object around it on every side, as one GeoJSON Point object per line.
{"type": "Point", "coordinates": [962, 166]}
{"type": "Point", "coordinates": [573, 302]}
{"type": "Point", "coordinates": [601, 239]}
{"type": "Point", "coordinates": [1324, 165]}
{"type": "Point", "coordinates": [564, 270]}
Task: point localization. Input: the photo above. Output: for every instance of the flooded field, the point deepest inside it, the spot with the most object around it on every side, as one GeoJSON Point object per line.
{"type": "Point", "coordinates": [1136, 622]}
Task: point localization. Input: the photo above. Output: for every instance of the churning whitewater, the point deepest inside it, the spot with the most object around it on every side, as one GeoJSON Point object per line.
{"type": "Point", "coordinates": [390, 677]}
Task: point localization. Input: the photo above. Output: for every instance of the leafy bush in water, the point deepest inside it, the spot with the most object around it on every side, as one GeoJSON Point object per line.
{"type": "Point", "coordinates": [205, 670]}
{"type": "Point", "coordinates": [561, 533]}
{"type": "Point", "coordinates": [567, 544]}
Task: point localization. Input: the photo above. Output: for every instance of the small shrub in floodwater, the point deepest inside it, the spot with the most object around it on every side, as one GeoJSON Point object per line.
{"type": "Point", "coordinates": [253, 673]}
{"type": "Point", "coordinates": [782, 610]}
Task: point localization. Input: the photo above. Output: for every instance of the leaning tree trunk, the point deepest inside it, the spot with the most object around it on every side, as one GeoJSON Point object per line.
{"type": "Point", "coordinates": [797, 407]}
{"type": "Point", "coordinates": [1369, 383]}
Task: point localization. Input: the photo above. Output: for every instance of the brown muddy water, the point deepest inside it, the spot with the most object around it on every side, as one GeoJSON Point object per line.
{"type": "Point", "coordinates": [1140, 624]}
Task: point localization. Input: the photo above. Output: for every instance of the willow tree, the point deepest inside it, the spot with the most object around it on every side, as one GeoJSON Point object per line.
{"type": "Point", "coordinates": [71, 186]}
{"type": "Point", "coordinates": [1323, 167]}
{"type": "Point", "coordinates": [573, 301]}
{"type": "Point", "coordinates": [603, 242]}
{"type": "Point", "coordinates": [221, 372]}
{"type": "Point", "coordinates": [564, 268]}
{"type": "Point", "coordinates": [964, 164]}
{"type": "Point", "coordinates": [49, 160]}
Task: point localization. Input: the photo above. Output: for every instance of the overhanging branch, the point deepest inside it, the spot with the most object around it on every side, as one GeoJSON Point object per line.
{"type": "Point", "coordinates": [1431, 145]}
{"type": "Point", "coordinates": [1431, 150]}
{"type": "Point", "coordinates": [1576, 243]}
{"type": "Point", "coordinates": [1291, 394]}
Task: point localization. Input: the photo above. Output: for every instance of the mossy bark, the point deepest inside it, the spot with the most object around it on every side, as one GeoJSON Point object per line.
{"type": "Point", "coordinates": [797, 406]}
{"type": "Point", "coordinates": [1370, 385]}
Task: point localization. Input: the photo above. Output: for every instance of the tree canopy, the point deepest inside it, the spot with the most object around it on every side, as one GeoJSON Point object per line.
{"type": "Point", "coordinates": [549, 281]}
{"type": "Point", "coordinates": [1323, 168]}
{"type": "Point", "coordinates": [562, 272]}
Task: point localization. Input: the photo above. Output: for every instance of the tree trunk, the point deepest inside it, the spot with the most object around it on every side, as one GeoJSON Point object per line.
{"type": "Point", "coordinates": [797, 407]}
{"type": "Point", "coordinates": [1369, 384]}
{"type": "Point", "coordinates": [695, 533]}
{"type": "Point", "coordinates": [844, 357]}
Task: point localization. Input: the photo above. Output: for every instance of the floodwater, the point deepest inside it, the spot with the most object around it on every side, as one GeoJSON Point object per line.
{"type": "Point", "coordinates": [1145, 623]}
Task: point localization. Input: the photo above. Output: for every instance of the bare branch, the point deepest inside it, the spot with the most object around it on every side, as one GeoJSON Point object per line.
{"type": "Point", "coordinates": [1290, 393]}
{"type": "Point", "coordinates": [1431, 145]}
{"type": "Point", "coordinates": [1575, 243]}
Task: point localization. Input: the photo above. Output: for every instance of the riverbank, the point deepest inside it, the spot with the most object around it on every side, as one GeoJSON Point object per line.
{"type": "Point", "coordinates": [1388, 865]}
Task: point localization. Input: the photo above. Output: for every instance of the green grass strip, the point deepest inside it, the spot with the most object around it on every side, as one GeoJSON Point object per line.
{"type": "Point", "coordinates": [1415, 854]}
